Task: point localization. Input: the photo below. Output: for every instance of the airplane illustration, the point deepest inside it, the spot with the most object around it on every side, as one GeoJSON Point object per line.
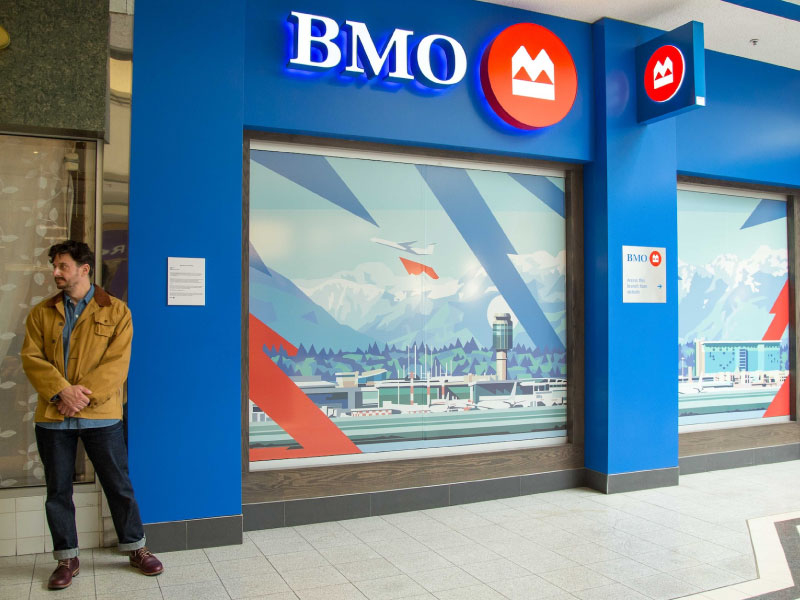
{"type": "Point", "coordinates": [405, 246]}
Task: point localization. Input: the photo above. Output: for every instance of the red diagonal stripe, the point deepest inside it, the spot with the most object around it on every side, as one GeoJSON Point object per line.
{"type": "Point", "coordinates": [781, 311]}
{"type": "Point", "coordinates": [278, 396]}
{"type": "Point", "coordinates": [779, 407]}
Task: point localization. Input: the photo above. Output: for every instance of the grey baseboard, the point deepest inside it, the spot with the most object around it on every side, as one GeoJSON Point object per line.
{"type": "Point", "coordinates": [738, 458]}
{"type": "Point", "coordinates": [632, 482]}
{"type": "Point", "coordinates": [193, 534]}
{"type": "Point", "coordinates": [267, 515]}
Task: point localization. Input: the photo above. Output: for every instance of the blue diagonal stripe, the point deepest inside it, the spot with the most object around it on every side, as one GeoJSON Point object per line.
{"type": "Point", "coordinates": [766, 211]}
{"type": "Point", "coordinates": [315, 174]}
{"type": "Point", "coordinates": [485, 237]}
{"type": "Point", "coordinates": [544, 189]}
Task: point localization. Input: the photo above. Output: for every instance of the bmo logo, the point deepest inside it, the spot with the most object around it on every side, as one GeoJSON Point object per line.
{"type": "Point", "coordinates": [528, 76]}
{"type": "Point", "coordinates": [663, 74]}
{"type": "Point", "coordinates": [654, 258]}
{"type": "Point", "coordinates": [316, 48]}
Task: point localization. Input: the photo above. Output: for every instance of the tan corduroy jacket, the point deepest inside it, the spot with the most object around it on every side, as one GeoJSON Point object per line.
{"type": "Point", "coordinates": [99, 354]}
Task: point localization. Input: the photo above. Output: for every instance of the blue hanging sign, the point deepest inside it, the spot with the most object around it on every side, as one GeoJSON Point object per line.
{"type": "Point", "coordinates": [671, 73]}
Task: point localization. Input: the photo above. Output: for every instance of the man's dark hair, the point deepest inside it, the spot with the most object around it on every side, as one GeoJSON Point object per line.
{"type": "Point", "coordinates": [80, 253]}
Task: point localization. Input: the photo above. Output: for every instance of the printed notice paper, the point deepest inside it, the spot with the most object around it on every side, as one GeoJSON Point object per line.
{"type": "Point", "coordinates": [644, 274]}
{"type": "Point", "coordinates": [186, 281]}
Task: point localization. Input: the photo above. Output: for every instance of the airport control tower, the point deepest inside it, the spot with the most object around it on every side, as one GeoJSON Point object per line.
{"type": "Point", "coordinates": [502, 340]}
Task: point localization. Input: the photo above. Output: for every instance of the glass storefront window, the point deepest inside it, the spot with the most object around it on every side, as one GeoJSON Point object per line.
{"type": "Point", "coordinates": [733, 309]}
{"type": "Point", "coordinates": [47, 194]}
{"type": "Point", "coordinates": [398, 305]}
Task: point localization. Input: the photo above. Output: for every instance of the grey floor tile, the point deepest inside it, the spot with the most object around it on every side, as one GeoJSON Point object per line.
{"type": "Point", "coordinates": [706, 577]}
{"type": "Point", "coordinates": [527, 588]}
{"type": "Point", "coordinates": [186, 574]}
{"type": "Point", "coordinates": [586, 554]}
{"type": "Point", "coordinates": [623, 569]}
{"type": "Point", "coordinates": [212, 590]}
{"type": "Point", "coordinates": [336, 540]}
{"type": "Point", "coordinates": [178, 559]}
{"type": "Point", "coordinates": [376, 568]}
{"type": "Point", "coordinates": [311, 578]}
{"type": "Point", "coordinates": [148, 594]}
{"type": "Point", "coordinates": [701, 551]}
{"type": "Point", "coordinates": [468, 554]}
{"type": "Point", "coordinates": [255, 585]}
{"type": "Point", "coordinates": [22, 561]}
{"type": "Point", "coordinates": [244, 567]}
{"type": "Point", "coordinates": [272, 547]}
{"type": "Point", "coordinates": [662, 587]}
{"type": "Point", "coordinates": [14, 591]}
{"type": "Point", "coordinates": [666, 561]}
{"type": "Point", "coordinates": [449, 578]}
{"type": "Point", "coordinates": [247, 549]}
{"type": "Point", "coordinates": [420, 562]}
{"type": "Point", "coordinates": [19, 574]}
{"type": "Point", "coordinates": [293, 561]}
{"type": "Point", "coordinates": [342, 591]}
{"type": "Point", "coordinates": [473, 592]}
{"type": "Point", "coordinates": [124, 580]}
{"type": "Point", "coordinates": [616, 591]}
{"type": "Point", "coordinates": [398, 547]}
{"type": "Point", "coordinates": [443, 539]}
{"type": "Point", "coordinates": [542, 562]}
{"type": "Point", "coordinates": [495, 570]}
{"type": "Point", "coordinates": [390, 588]}
{"type": "Point", "coordinates": [666, 537]}
{"type": "Point", "coordinates": [741, 565]}
{"type": "Point", "coordinates": [345, 554]}
{"type": "Point", "coordinates": [577, 578]}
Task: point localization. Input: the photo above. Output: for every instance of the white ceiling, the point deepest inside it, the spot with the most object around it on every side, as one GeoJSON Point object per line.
{"type": "Point", "coordinates": [729, 28]}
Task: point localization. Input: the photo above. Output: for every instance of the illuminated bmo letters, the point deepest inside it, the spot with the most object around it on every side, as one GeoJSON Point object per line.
{"type": "Point", "coordinates": [316, 49]}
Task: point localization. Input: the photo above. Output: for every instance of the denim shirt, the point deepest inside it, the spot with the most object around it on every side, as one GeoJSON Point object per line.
{"type": "Point", "coordinates": [72, 313]}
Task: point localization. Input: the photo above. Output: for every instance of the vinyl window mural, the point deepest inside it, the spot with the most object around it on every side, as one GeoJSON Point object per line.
{"type": "Point", "coordinates": [399, 306]}
{"type": "Point", "coordinates": [733, 304]}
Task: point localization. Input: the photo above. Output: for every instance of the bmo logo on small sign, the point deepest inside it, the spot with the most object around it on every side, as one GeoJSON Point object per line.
{"type": "Point", "coordinates": [663, 74]}
{"type": "Point", "coordinates": [528, 76]}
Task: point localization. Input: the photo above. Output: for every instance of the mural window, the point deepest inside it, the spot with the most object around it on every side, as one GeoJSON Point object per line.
{"type": "Point", "coordinates": [733, 305]}
{"type": "Point", "coordinates": [402, 306]}
{"type": "Point", "coordinates": [47, 194]}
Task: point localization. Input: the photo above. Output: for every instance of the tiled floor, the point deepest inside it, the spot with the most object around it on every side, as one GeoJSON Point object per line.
{"type": "Point", "coordinates": [573, 544]}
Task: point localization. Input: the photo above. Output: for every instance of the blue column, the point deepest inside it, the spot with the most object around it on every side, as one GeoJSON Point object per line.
{"type": "Point", "coordinates": [184, 387]}
{"type": "Point", "coordinates": [631, 349]}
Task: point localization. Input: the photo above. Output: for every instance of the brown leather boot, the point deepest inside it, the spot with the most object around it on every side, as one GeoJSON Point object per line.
{"type": "Point", "coordinates": [144, 560]}
{"type": "Point", "coordinates": [62, 577]}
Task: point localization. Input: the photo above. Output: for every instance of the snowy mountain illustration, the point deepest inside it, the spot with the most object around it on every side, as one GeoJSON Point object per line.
{"type": "Point", "coordinates": [730, 298]}
{"type": "Point", "coordinates": [390, 306]}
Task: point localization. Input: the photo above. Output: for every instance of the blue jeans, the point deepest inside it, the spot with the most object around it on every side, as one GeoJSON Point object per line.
{"type": "Point", "coordinates": [106, 448]}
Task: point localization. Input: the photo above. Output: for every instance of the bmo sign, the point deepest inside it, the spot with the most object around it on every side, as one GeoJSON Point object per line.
{"type": "Point", "coordinates": [315, 48]}
{"type": "Point", "coordinates": [527, 74]}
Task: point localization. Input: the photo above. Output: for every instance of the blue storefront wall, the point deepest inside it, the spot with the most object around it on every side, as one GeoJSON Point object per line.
{"type": "Point", "coordinates": [204, 73]}
{"type": "Point", "coordinates": [333, 104]}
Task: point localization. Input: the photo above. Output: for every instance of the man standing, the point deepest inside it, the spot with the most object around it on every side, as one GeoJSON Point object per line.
{"type": "Point", "coordinates": [76, 353]}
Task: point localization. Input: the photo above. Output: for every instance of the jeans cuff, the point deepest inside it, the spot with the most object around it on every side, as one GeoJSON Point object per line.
{"type": "Point", "coordinates": [65, 554]}
{"type": "Point", "coordinates": [131, 546]}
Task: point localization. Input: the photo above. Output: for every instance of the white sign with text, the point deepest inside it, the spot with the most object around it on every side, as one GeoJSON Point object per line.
{"type": "Point", "coordinates": [644, 274]}
{"type": "Point", "coordinates": [186, 281]}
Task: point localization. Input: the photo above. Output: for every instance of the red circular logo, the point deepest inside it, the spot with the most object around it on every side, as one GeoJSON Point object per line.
{"type": "Point", "coordinates": [528, 76]}
{"type": "Point", "coordinates": [663, 74]}
{"type": "Point", "coordinates": [655, 258]}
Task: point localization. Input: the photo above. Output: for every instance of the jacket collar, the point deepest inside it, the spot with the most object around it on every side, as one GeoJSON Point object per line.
{"type": "Point", "coordinates": [102, 297]}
